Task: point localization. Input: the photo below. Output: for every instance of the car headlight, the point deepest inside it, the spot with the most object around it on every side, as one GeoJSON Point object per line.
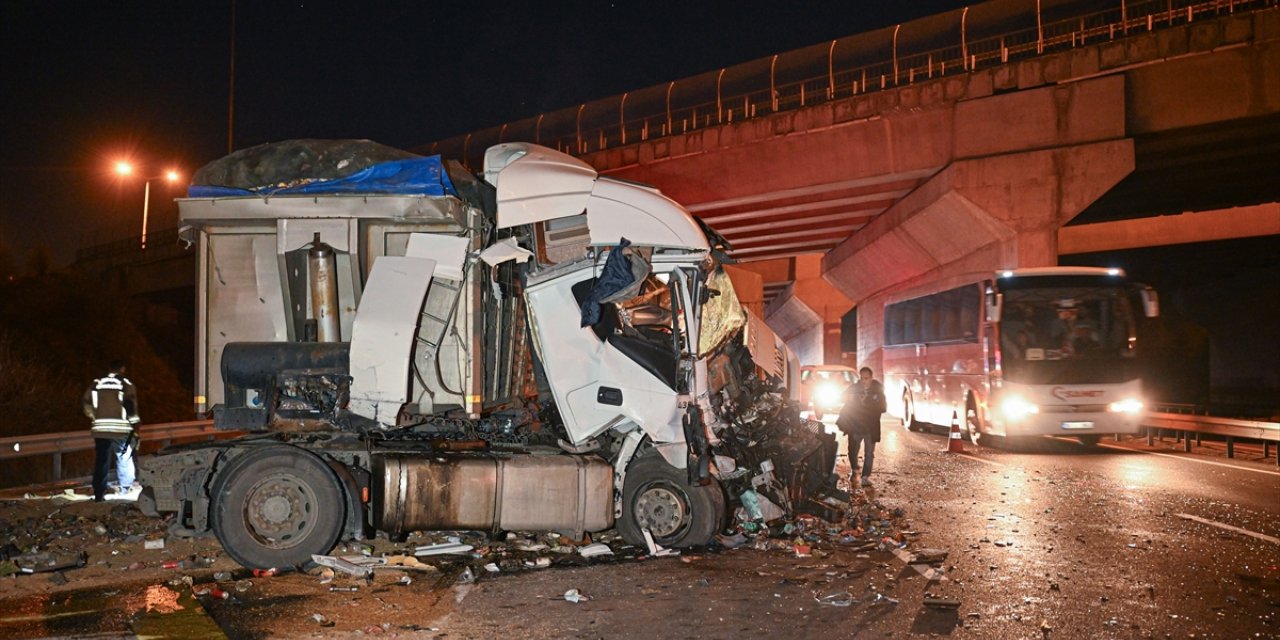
{"type": "Point", "coordinates": [827, 395]}
{"type": "Point", "coordinates": [1017, 408]}
{"type": "Point", "coordinates": [1128, 405]}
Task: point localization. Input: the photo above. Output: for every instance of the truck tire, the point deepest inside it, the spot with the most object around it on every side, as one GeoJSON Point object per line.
{"type": "Point", "coordinates": [276, 506]}
{"type": "Point", "coordinates": [658, 497]}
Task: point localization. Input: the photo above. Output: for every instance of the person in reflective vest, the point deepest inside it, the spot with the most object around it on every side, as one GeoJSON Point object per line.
{"type": "Point", "coordinates": [112, 403]}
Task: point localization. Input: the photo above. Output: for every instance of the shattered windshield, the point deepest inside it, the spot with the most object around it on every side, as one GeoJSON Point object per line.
{"type": "Point", "coordinates": [722, 314]}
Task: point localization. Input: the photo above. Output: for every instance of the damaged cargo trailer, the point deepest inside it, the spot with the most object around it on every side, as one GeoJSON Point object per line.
{"type": "Point", "coordinates": [410, 347]}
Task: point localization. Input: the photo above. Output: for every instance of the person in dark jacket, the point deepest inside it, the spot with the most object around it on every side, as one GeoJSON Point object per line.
{"type": "Point", "coordinates": [112, 403]}
{"type": "Point", "coordinates": [860, 421]}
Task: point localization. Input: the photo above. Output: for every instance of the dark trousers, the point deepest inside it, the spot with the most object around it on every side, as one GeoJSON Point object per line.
{"type": "Point", "coordinates": [102, 455]}
{"type": "Point", "coordinates": [857, 440]}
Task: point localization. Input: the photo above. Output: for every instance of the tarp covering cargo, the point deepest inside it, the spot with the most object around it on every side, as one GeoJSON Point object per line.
{"type": "Point", "coordinates": [301, 167]}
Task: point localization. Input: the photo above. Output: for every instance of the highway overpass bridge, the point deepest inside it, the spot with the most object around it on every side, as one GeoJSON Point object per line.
{"type": "Point", "coordinates": [1010, 133]}
{"type": "Point", "coordinates": [984, 138]}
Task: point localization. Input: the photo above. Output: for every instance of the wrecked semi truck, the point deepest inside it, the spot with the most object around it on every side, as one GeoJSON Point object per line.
{"type": "Point", "coordinates": [409, 347]}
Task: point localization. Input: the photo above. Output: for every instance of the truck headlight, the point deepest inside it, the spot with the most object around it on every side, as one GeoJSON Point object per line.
{"type": "Point", "coordinates": [826, 395]}
{"type": "Point", "coordinates": [1128, 405]}
{"type": "Point", "coordinates": [1016, 408]}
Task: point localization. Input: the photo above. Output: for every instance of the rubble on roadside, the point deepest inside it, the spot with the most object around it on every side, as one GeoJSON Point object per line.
{"type": "Point", "coordinates": [860, 525]}
{"type": "Point", "coordinates": [120, 538]}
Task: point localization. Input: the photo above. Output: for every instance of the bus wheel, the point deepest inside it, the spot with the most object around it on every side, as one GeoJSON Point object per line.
{"type": "Point", "coordinates": [971, 423]}
{"type": "Point", "coordinates": [659, 498]}
{"type": "Point", "coordinates": [277, 506]}
{"type": "Point", "coordinates": [908, 418]}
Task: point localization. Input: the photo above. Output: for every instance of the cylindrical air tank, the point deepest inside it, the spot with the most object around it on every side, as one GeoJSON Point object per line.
{"type": "Point", "coordinates": [323, 267]}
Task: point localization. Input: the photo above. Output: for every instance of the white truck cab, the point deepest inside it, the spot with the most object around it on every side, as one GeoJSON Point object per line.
{"type": "Point", "coordinates": [421, 346]}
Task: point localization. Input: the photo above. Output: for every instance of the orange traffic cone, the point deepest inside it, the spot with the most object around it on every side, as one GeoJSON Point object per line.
{"type": "Point", "coordinates": [954, 443]}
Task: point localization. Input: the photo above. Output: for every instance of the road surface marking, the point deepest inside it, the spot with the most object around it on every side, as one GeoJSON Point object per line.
{"type": "Point", "coordinates": [1212, 523]}
{"type": "Point", "coordinates": [1169, 455]}
{"type": "Point", "coordinates": [49, 616]}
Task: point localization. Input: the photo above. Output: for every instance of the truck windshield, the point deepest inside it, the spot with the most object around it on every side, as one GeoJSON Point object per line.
{"type": "Point", "coordinates": [1076, 333]}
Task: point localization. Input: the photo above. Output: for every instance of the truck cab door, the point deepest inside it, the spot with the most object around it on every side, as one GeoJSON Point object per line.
{"type": "Point", "coordinates": [382, 336]}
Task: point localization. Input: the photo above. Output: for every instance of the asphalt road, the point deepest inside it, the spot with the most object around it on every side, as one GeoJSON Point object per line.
{"type": "Point", "coordinates": [1107, 542]}
{"type": "Point", "coordinates": [1045, 539]}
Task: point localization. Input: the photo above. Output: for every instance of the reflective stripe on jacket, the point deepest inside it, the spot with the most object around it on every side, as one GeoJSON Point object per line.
{"type": "Point", "coordinates": [112, 404]}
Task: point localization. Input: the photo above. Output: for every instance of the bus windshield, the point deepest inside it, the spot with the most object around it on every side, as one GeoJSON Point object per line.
{"type": "Point", "coordinates": [1079, 330]}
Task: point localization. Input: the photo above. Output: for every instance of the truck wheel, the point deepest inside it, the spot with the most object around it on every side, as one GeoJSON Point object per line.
{"type": "Point", "coordinates": [657, 496]}
{"type": "Point", "coordinates": [276, 506]}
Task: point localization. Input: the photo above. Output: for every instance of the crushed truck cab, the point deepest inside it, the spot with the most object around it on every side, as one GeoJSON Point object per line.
{"type": "Point", "coordinates": [409, 347]}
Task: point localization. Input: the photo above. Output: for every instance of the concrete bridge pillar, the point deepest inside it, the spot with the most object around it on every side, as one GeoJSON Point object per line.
{"type": "Point", "coordinates": [806, 315]}
{"type": "Point", "coordinates": [1025, 164]}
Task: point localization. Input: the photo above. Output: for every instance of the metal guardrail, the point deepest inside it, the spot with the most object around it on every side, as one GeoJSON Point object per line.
{"type": "Point", "coordinates": [1183, 425]}
{"type": "Point", "coordinates": [57, 444]}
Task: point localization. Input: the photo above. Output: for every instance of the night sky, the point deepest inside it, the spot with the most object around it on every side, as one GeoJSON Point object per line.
{"type": "Point", "coordinates": [88, 81]}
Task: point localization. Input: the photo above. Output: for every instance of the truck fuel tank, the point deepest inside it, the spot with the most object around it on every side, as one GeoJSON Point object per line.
{"type": "Point", "coordinates": [491, 492]}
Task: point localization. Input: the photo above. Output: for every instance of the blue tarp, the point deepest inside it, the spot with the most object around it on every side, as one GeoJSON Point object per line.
{"type": "Point", "coordinates": [415, 176]}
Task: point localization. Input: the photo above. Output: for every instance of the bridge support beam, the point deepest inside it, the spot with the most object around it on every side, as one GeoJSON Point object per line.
{"type": "Point", "coordinates": [979, 214]}
{"type": "Point", "coordinates": [1199, 226]}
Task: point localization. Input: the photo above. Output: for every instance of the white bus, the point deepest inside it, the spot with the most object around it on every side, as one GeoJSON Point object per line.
{"type": "Point", "coordinates": [1024, 352]}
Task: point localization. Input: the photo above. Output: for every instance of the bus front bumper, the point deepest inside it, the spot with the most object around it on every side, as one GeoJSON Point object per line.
{"type": "Point", "coordinates": [1072, 424]}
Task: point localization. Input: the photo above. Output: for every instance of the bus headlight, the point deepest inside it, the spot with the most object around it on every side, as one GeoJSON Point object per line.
{"type": "Point", "coordinates": [1128, 405]}
{"type": "Point", "coordinates": [826, 395]}
{"type": "Point", "coordinates": [1016, 408]}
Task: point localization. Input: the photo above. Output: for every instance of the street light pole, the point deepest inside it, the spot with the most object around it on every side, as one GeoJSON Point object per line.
{"type": "Point", "coordinates": [146, 199]}
{"type": "Point", "coordinates": [125, 169]}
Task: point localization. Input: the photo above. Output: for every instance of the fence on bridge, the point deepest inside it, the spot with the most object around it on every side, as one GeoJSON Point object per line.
{"type": "Point", "coordinates": [927, 49]}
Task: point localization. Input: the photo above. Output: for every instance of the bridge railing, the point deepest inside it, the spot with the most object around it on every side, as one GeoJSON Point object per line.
{"type": "Point", "coordinates": [56, 445]}
{"type": "Point", "coordinates": [606, 123]}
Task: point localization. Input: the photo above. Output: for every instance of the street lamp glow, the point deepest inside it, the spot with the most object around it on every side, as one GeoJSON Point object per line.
{"type": "Point", "coordinates": [171, 176]}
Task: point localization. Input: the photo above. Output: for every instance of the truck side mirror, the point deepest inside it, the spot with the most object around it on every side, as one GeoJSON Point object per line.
{"type": "Point", "coordinates": [1150, 302]}
{"type": "Point", "coordinates": [995, 304]}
